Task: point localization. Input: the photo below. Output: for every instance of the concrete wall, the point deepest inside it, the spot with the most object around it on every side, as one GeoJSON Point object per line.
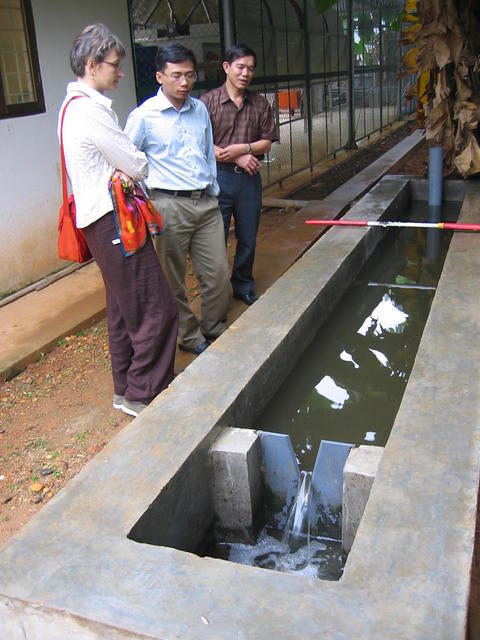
{"type": "Point", "coordinates": [29, 159]}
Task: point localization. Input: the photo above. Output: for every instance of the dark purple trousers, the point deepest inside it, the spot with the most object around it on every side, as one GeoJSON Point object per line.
{"type": "Point", "coordinates": [142, 314]}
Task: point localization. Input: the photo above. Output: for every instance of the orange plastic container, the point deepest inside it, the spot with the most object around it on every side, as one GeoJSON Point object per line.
{"type": "Point", "coordinates": [289, 99]}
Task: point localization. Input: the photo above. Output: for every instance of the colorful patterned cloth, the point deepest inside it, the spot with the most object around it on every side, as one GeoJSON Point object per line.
{"type": "Point", "coordinates": [134, 215]}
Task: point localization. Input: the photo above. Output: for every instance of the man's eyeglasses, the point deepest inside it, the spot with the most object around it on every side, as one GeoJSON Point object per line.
{"type": "Point", "coordinates": [115, 65]}
{"type": "Point", "coordinates": [190, 76]}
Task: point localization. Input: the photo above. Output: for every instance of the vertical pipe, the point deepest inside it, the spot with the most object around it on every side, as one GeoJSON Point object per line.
{"type": "Point", "coordinates": [350, 100]}
{"type": "Point", "coordinates": [381, 66]}
{"type": "Point", "coordinates": [435, 175]}
{"type": "Point", "coordinates": [362, 36]}
{"type": "Point", "coordinates": [288, 86]}
{"type": "Point", "coordinates": [228, 24]}
{"type": "Point", "coordinates": [435, 171]}
{"type": "Point", "coordinates": [325, 100]}
{"type": "Point", "coordinates": [264, 61]}
{"type": "Point", "coordinates": [308, 84]}
{"type": "Point", "coordinates": [337, 28]}
{"type": "Point", "coordinates": [134, 54]}
{"type": "Point", "coordinates": [399, 79]}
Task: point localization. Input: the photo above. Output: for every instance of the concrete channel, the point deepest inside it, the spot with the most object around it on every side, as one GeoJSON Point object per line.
{"type": "Point", "coordinates": [112, 555]}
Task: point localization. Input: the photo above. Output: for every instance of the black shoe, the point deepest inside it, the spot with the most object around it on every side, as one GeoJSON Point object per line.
{"type": "Point", "coordinates": [248, 298]}
{"type": "Point", "coordinates": [200, 348]}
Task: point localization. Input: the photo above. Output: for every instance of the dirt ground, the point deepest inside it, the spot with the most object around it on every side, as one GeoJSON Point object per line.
{"type": "Point", "coordinates": [57, 414]}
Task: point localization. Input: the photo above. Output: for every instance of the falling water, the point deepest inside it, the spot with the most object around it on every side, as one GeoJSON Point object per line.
{"type": "Point", "coordinates": [297, 529]}
{"type": "Point", "coordinates": [292, 549]}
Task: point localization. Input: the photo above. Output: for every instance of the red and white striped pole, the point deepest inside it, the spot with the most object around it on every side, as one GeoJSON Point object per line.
{"type": "Point", "coordinates": [451, 226]}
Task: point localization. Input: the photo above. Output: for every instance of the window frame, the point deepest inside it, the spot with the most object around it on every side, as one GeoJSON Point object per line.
{"type": "Point", "coordinates": [38, 105]}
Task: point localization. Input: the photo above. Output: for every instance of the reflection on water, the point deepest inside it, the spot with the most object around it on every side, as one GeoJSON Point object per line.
{"type": "Point", "coordinates": [328, 388]}
{"type": "Point", "coordinates": [385, 317]}
{"type": "Point", "coordinates": [348, 386]}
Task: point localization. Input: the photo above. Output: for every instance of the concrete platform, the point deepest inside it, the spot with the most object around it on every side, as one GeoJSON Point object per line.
{"type": "Point", "coordinates": [73, 572]}
{"type": "Point", "coordinates": [33, 324]}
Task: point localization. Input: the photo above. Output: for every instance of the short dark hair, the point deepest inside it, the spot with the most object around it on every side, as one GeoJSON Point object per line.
{"type": "Point", "coordinates": [173, 52]}
{"type": "Point", "coordinates": [239, 51]}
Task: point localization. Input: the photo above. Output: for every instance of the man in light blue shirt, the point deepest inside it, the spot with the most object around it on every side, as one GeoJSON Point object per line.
{"type": "Point", "coordinates": [174, 131]}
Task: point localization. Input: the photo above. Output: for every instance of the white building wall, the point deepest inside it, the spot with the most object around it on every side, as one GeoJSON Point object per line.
{"type": "Point", "coordinates": [30, 170]}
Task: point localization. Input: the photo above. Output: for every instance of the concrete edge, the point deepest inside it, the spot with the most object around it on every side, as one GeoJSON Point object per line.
{"type": "Point", "coordinates": [21, 620]}
{"type": "Point", "coordinates": [33, 324]}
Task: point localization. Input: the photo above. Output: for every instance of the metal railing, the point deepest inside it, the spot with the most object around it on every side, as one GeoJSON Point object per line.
{"type": "Point", "coordinates": [308, 66]}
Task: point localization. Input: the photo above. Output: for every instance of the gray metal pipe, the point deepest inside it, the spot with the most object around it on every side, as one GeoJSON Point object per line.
{"type": "Point", "coordinates": [228, 24]}
{"type": "Point", "coordinates": [435, 176]}
{"type": "Point", "coordinates": [351, 143]}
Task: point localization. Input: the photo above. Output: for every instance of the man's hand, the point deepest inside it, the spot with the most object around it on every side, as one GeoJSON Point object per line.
{"type": "Point", "coordinates": [230, 153]}
{"type": "Point", "coordinates": [249, 163]}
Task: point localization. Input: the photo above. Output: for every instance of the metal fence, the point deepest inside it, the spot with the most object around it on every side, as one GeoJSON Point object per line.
{"type": "Point", "coordinates": [330, 77]}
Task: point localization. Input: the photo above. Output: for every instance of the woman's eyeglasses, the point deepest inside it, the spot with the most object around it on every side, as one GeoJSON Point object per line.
{"type": "Point", "coordinates": [115, 65]}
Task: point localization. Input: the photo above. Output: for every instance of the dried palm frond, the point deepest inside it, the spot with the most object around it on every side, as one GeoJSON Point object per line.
{"type": "Point", "coordinates": [444, 55]}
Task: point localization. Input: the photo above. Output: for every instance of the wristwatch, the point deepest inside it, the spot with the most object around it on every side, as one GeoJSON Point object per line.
{"type": "Point", "coordinates": [249, 150]}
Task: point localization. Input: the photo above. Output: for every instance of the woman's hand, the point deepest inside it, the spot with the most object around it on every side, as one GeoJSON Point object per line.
{"type": "Point", "coordinates": [127, 182]}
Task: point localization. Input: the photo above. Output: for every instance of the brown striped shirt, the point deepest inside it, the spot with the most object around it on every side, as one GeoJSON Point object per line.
{"type": "Point", "coordinates": [253, 121]}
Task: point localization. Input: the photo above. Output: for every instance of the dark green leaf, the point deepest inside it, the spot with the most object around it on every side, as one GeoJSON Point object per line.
{"type": "Point", "coordinates": [324, 5]}
{"type": "Point", "coordinates": [397, 23]}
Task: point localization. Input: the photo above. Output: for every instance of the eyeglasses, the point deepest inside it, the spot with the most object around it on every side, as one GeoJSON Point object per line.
{"type": "Point", "coordinates": [116, 65]}
{"type": "Point", "coordinates": [190, 76]}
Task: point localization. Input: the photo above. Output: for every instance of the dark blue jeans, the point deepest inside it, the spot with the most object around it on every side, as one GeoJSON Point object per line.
{"type": "Point", "coordinates": [241, 196]}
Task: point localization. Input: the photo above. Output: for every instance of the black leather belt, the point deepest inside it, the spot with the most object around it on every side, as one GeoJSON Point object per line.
{"type": "Point", "coordinates": [196, 193]}
{"type": "Point", "coordinates": [229, 166]}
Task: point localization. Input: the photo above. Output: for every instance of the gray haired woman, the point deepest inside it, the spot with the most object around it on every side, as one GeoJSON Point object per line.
{"type": "Point", "coordinates": [142, 313]}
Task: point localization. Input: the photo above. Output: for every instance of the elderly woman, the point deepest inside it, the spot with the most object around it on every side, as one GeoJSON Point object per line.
{"type": "Point", "coordinates": [142, 313]}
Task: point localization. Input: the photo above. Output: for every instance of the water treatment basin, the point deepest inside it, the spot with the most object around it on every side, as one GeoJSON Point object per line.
{"type": "Point", "coordinates": [347, 387]}
{"type": "Point", "coordinates": [73, 569]}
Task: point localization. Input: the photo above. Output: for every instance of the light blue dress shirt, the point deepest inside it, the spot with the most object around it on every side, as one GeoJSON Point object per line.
{"type": "Point", "coordinates": [178, 144]}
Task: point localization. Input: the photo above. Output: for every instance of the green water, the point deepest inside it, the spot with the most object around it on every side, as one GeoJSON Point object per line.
{"type": "Point", "coordinates": [349, 383]}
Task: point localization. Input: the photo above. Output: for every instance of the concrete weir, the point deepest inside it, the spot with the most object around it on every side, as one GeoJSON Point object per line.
{"type": "Point", "coordinates": [111, 555]}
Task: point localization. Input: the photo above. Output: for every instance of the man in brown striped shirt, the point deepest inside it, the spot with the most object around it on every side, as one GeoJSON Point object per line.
{"type": "Point", "coordinates": [243, 131]}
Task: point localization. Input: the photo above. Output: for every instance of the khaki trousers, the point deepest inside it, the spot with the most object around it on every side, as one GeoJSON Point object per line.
{"type": "Point", "coordinates": [195, 225]}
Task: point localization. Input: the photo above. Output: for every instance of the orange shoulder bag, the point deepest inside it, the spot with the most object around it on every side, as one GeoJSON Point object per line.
{"type": "Point", "coordinates": [71, 241]}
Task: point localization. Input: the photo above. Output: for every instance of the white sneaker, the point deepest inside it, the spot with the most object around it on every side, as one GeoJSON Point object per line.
{"type": "Point", "coordinates": [117, 401]}
{"type": "Point", "coordinates": [132, 408]}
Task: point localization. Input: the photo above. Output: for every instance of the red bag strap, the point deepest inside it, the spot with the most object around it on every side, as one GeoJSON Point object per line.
{"type": "Point", "coordinates": [62, 154]}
